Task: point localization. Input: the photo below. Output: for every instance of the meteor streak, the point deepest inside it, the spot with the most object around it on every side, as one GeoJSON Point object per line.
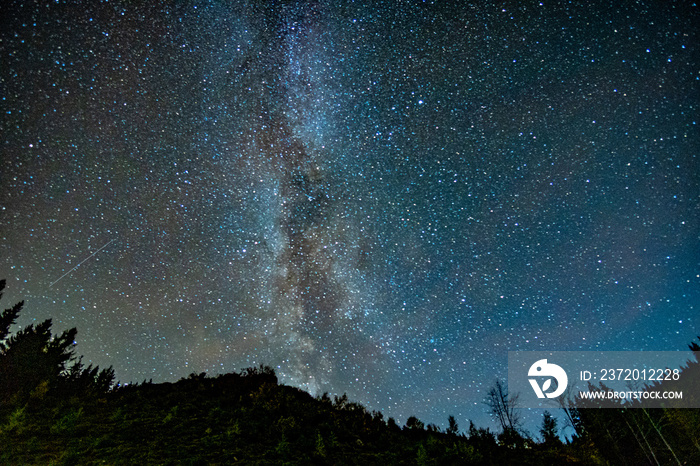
{"type": "Point", "coordinates": [80, 263]}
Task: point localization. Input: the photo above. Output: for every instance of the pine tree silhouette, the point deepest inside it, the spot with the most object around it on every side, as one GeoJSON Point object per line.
{"type": "Point", "coordinates": [33, 356]}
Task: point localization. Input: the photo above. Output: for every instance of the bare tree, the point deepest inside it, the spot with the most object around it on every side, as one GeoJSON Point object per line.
{"type": "Point", "coordinates": [568, 405]}
{"type": "Point", "coordinates": [504, 407]}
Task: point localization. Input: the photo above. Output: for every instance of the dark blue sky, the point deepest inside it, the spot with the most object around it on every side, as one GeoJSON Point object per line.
{"type": "Point", "coordinates": [381, 199]}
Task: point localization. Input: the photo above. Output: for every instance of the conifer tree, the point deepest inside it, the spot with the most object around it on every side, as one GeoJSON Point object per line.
{"type": "Point", "coordinates": [549, 429]}
{"type": "Point", "coordinates": [7, 318]}
{"type": "Point", "coordinates": [452, 428]}
{"type": "Point", "coordinates": [33, 356]}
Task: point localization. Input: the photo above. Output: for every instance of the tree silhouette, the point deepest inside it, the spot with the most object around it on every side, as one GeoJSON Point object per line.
{"type": "Point", "coordinates": [503, 406]}
{"type": "Point", "coordinates": [452, 427]}
{"type": "Point", "coordinates": [7, 318]}
{"type": "Point", "coordinates": [549, 429]}
{"type": "Point", "coordinates": [415, 424]}
{"type": "Point", "coordinates": [647, 431]}
{"type": "Point", "coordinates": [33, 356]}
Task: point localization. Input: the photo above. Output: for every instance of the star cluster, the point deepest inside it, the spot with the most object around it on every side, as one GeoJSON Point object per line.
{"type": "Point", "coordinates": [380, 198]}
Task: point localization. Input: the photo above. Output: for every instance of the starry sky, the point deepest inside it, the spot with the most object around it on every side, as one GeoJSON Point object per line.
{"type": "Point", "coordinates": [378, 198]}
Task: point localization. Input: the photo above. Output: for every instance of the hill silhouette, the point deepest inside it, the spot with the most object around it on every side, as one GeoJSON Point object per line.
{"type": "Point", "coordinates": [239, 417]}
{"type": "Point", "coordinates": [53, 410]}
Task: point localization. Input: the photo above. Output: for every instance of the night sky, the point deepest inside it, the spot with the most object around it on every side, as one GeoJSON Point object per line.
{"type": "Point", "coordinates": [378, 198]}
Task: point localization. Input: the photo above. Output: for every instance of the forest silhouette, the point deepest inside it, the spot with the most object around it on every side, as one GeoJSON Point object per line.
{"type": "Point", "coordinates": [54, 410]}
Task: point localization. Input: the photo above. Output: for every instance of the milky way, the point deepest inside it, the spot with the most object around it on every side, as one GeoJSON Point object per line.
{"type": "Point", "coordinates": [313, 298]}
{"type": "Point", "coordinates": [380, 199]}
